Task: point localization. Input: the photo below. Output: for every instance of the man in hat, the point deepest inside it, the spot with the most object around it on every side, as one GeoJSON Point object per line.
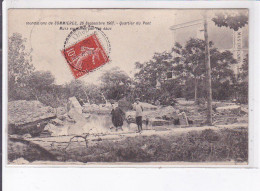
{"type": "Point", "coordinates": [138, 114]}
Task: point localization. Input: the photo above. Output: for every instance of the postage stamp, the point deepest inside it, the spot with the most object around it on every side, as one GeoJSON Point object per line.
{"type": "Point", "coordinates": [87, 54]}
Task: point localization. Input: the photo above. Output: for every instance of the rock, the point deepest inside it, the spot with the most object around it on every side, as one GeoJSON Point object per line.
{"type": "Point", "coordinates": [27, 135]}
{"type": "Point", "coordinates": [78, 117]}
{"type": "Point", "coordinates": [22, 112]}
{"type": "Point", "coordinates": [168, 113]}
{"type": "Point", "coordinates": [57, 122]}
{"type": "Point", "coordinates": [97, 109]}
{"type": "Point", "coordinates": [87, 115]}
{"type": "Point", "coordinates": [183, 101]}
{"type": "Point", "coordinates": [232, 109]}
{"type": "Point", "coordinates": [20, 148]}
{"type": "Point", "coordinates": [66, 118]}
{"type": "Point", "coordinates": [28, 116]}
{"type": "Point", "coordinates": [75, 130]}
{"type": "Point", "coordinates": [20, 161]}
{"type": "Point", "coordinates": [70, 120]}
{"type": "Point", "coordinates": [62, 117]}
{"type": "Point", "coordinates": [183, 119]}
{"type": "Point", "coordinates": [74, 104]}
{"type": "Point", "coordinates": [244, 109]}
{"type": "Point", "coordinates": [158, 122]}
{"type": "Point", "coordinates": [148, 106]}
{"type": "Point", "coordinates": [56, 131]}
{"type": "Point", "coordinates": [61, 111]}
{"type": "Point", "coordinates": [164, 113]}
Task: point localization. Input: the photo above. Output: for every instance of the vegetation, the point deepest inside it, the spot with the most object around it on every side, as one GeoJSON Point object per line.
{"type": "Point", "coordinates": [195, 146]}
{"type": "Point", "coordinates": [234, 21]}
{"type": "Point", "coordinates": [189, 72]}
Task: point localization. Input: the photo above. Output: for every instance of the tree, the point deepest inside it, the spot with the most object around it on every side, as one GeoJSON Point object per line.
{"type": "Point", "coordinates": [151, 74]}
{"type": "Point", "coordinates": [85, 93]}
{"type": "Point", "coordinates": [223, 76]}
{"type": "Point", "coordinates": [115, 84]}
{"type": "Point", "coordinates": [189, 71]}
{"type": "Point", "coordinates": [234, 20]}
{"type": "Point", "coordinates": [194, 57]}
{"type": "Point", "coordinates": [38, 82]}
{"type": "Point", "coordinates": [19, 66]}
{"type": "Point", "coordinates": [193, 66]}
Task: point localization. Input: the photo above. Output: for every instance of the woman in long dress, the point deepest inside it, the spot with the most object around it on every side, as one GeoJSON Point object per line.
{"type": "Point", "coordinates": [117, 117]}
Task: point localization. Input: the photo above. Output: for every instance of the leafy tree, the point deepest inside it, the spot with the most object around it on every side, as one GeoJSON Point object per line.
{"type": "Point", "coordinates": [116, 84]}
{"type": "Point", "coordinates": [150, 75]}
{"type": "Point", "coordinates": [194, 56]}
{"type": "Point", "coordinates": [19, 66]}
{"type": "Point", "coordinates": [85, 93]}
{"type": "Point", "coordinates": [223, 76]}
{"type": "Point", "coordinates": [188, 66]}
{"type": "Point", "coordinates": [234, 20]}
{"type": "Point", "coordinates": [40, 83]}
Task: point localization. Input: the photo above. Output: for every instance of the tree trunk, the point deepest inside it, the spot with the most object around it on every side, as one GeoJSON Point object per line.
{"type": "Point", "coordinates": [208, 69]}
{"type": "Point", "coordinates": [196, 91]}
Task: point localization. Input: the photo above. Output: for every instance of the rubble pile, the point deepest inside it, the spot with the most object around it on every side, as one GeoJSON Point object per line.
{"type": "Point", "coordinates": [233, 109]}
{"type": "Point", "coordinates": [32, 118]}
{"type": "Point", "coordinates": [22, 111]}
{"type": "Point", "coordinates": [74, 104]}
{"type": "Point", "coordinates": [28, 117]}
{"type": "Point", "coordinates": [148, 106]}
{"type": "Point", "coordinates": [231, 113]}
{"type": "Point", "coordinates": [188, 113]}
{"type": "Point", "coordinates": [97, 109]}
{"type": "Point", "coordinates": [156, 117]}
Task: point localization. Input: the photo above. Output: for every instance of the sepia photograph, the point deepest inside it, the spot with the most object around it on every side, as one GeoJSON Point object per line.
{"type": "Point", "coordinates": [128, 87]}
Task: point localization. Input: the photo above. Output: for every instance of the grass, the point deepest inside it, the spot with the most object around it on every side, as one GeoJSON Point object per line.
{"type": "Point", "coordinates": [203, 146]}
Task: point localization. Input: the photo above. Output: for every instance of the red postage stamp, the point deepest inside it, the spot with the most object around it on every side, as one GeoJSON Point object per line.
{"type": "Point", "coordinates": [85, 56]}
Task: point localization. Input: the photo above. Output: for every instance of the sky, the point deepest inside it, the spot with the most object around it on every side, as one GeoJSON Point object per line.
{"type": "Point", "coordinates": [129, 43]}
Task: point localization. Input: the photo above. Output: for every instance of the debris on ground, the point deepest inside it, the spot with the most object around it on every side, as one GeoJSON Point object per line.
{"type": "Point", "coordinates": [28, 117]}
{"type": "Point", "coordinates": [183, 101]}
{"type": "Point", "coordinates": [56, 130]}
{"type": "Point", "coordinates": [158, 122]}
{"type": "Point", "coordinates": [148, 106]}
{"type": "Point", "coordinates": [97, 109]}
{"type": "Point", "coordinates": [232, 109]}
{"type": "Point", "coordinates": [20, 161]}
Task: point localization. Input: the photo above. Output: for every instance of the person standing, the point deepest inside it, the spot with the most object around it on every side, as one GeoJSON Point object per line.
{"type": "Point", "coordinates": [117, 117]}
{"type": "Point", "coordinates": [138, 114]}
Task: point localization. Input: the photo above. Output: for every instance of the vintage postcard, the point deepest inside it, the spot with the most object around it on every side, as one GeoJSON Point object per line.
{"type": "Point", "coordinates": [128, 86]}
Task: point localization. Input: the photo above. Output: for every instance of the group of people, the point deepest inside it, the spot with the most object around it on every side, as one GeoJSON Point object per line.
{"type": "Point", "coordinates": [118, 115]}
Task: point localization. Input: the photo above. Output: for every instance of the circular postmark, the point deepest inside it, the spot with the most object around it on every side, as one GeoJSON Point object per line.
{"type": "Point", "coordinates": [85, 49]}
